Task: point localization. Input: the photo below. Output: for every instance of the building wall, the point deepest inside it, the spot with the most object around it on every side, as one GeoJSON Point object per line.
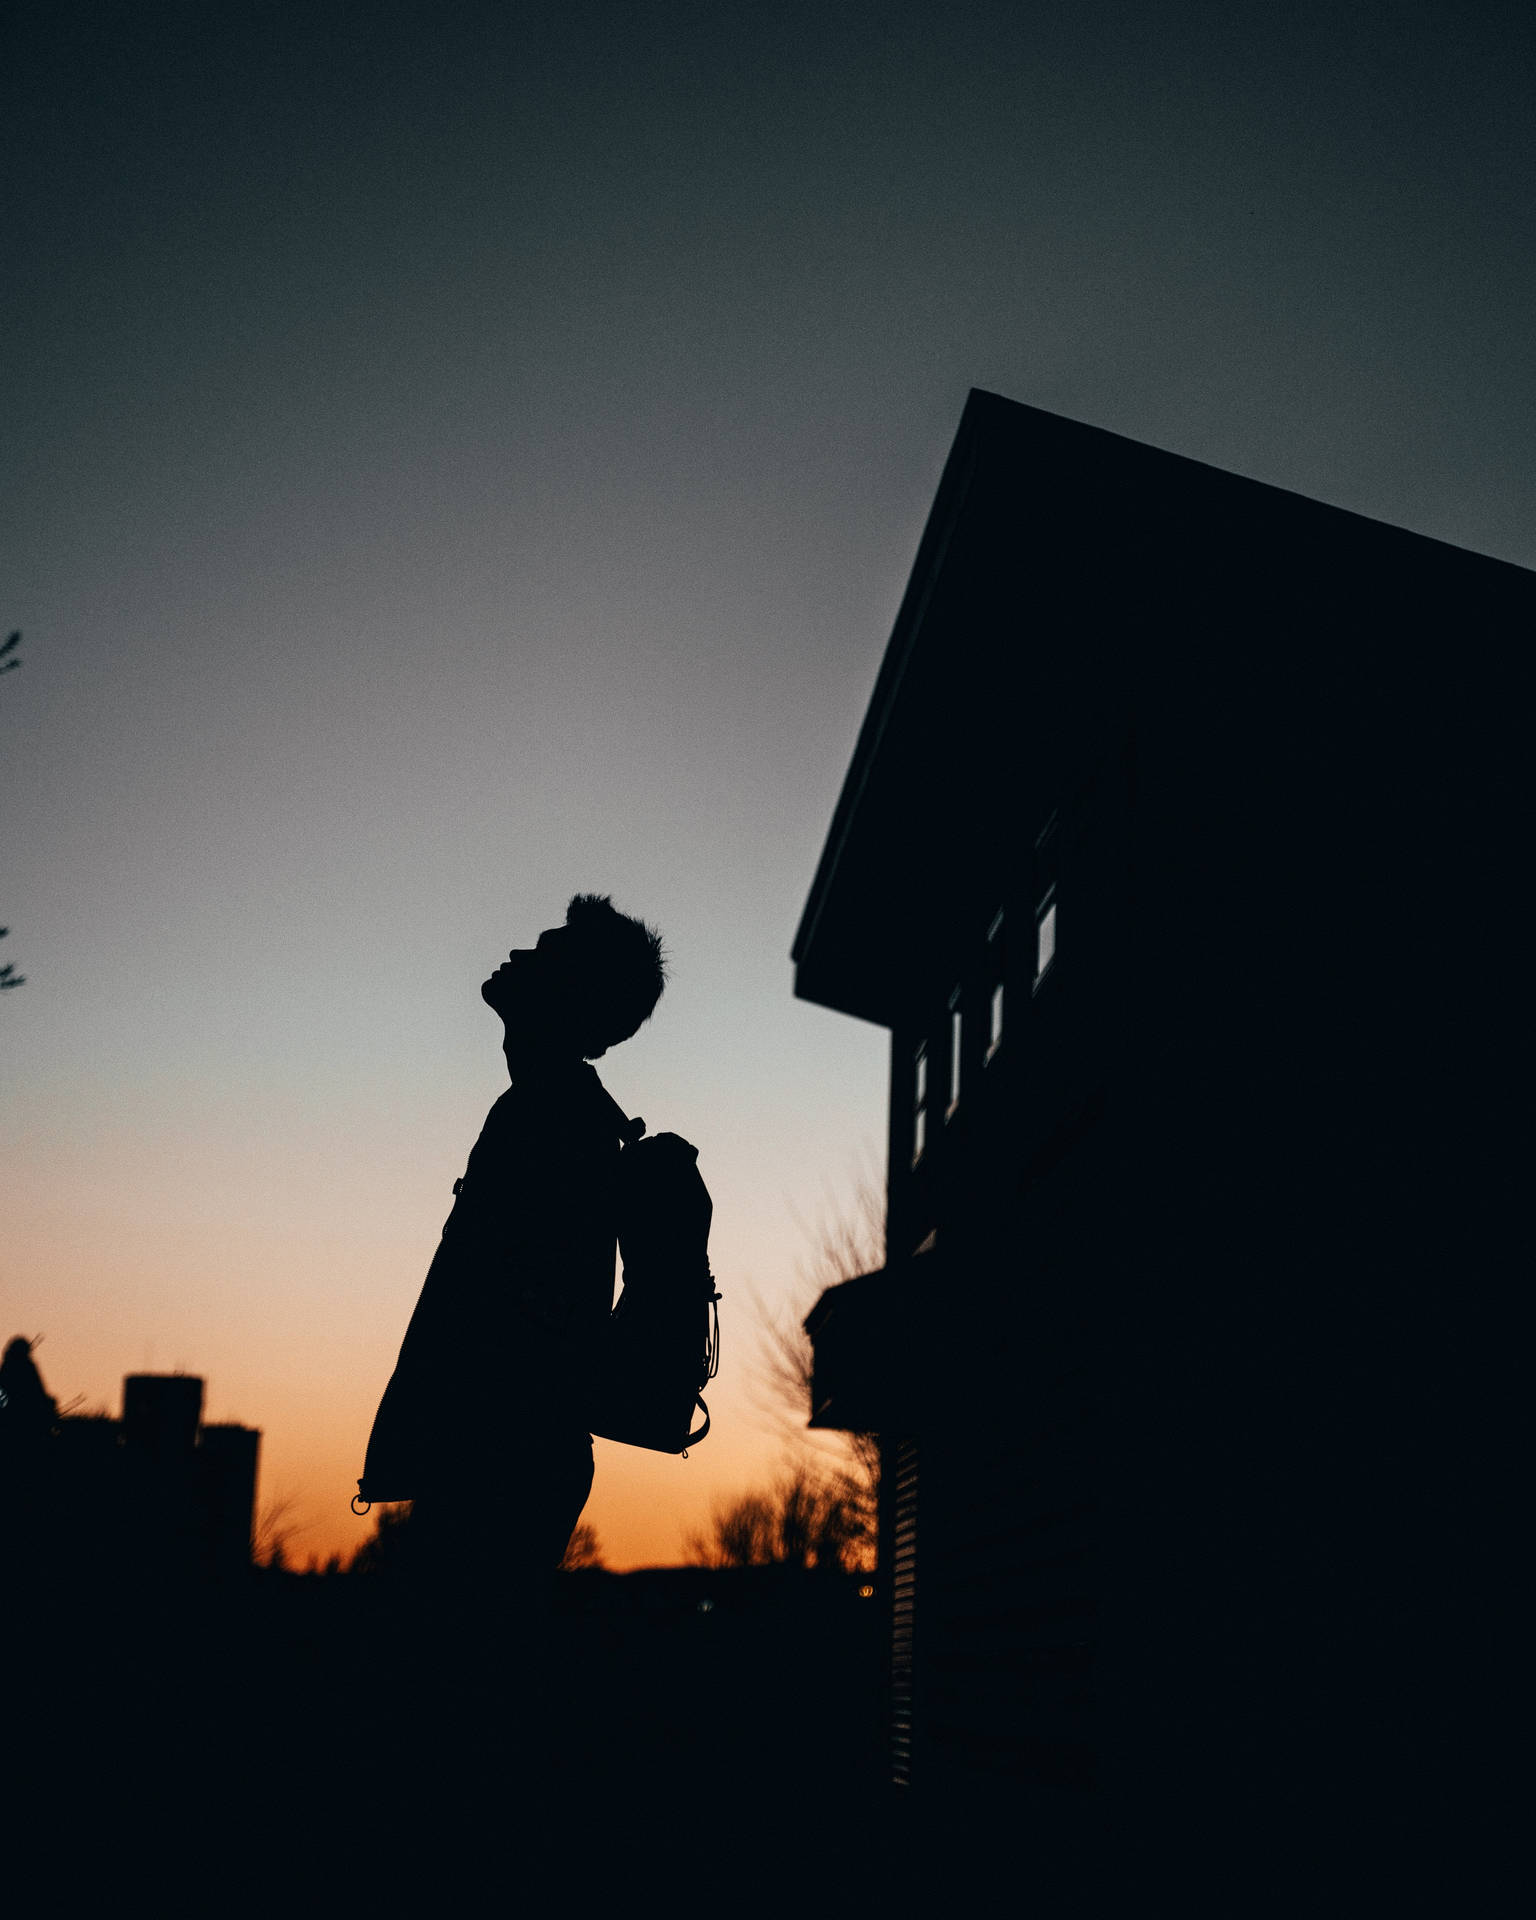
{"type": "Point", "coordinates": [1218, 1230]}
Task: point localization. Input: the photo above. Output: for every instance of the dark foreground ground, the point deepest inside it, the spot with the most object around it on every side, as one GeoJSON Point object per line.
{"type": "Point", "coordinates": [669, 1737]}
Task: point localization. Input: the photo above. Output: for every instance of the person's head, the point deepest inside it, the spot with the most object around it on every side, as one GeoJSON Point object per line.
{"type": "Point", "coordinates": [584, 987]}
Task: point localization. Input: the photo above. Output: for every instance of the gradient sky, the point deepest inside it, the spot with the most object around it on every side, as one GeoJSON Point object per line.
{"type": "Point", "coordinates": [461, 454]}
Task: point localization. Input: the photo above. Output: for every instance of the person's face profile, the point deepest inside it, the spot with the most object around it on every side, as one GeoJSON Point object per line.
{"type": "Point", "coordinates": [528, 976]}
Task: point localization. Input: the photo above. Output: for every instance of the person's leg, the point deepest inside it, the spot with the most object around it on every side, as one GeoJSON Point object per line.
{"type": "Point", "coordinates": [437, 1614]}
{"type": "Point", "coordinates": [480, 1577]}
{"type": "Point", "coordinates": [563, 1480]}
{"type": "Point", "coordinates": [532, 1671]}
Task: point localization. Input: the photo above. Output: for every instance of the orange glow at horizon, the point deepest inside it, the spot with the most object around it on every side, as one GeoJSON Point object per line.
{"type": "Point", "coordinates": [293, 1322]}
{"type": "Point", "coordinates": [644, 1506]}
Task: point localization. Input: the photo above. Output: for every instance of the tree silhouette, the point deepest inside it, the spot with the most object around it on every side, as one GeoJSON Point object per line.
{"type": "Point", "coordinates": [272, 1533]}
{"type": "Point", "coordinates": [804, 1519]}
{"type": "Point", "coordinates": [833, 1485]}
{"type": "Point", "coordinates": [583, 1551]}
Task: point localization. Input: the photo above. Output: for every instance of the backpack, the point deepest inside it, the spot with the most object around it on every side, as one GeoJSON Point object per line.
{"type": "Point", "coordinates": [643, 1377]}
{"type": "Point", "coordinates": [661, 1343]}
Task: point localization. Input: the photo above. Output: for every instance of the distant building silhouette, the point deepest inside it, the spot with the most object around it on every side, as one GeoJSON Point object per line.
{"type": "Point", "coordinates": [157, 1493]}
{"type": "Point", "coordinates": [1181, 854]}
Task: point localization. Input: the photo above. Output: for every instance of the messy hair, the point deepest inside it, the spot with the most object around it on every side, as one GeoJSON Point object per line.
{"type": "Point", "coordinates": [621, 971]}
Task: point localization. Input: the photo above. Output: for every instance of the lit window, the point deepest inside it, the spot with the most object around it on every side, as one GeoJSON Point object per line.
{"type": "Point", "coordinates": [995, 973]}
{"type": "Point", "coordinates": [956, 1038]}
{"type": "Point", "coordinates": [1047, 872]}
{"type": "Point", "coordinates": [919, 1103]}
{"type": "Point", "coordinates": [1045, 937]}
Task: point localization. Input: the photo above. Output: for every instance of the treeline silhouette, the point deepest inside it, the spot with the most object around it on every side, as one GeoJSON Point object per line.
{"type": "Point", "coordinates": [804, 1519]}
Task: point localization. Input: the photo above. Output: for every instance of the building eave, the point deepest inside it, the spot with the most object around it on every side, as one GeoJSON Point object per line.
{"type": "Point", "coordinates": [865, 997]}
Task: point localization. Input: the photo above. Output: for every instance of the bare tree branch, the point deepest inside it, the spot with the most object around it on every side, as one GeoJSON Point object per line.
{"type": "Point", "coordinates": [9, 977]}
{"type": "Point", "coordinates": [822, 1510]}
{"type": "Point", "coordinates": [805, 1519]}
{"type": "Point", "coordinates": [583, 1550]}
{"type": "Point", "coordinates": [274, 1530]}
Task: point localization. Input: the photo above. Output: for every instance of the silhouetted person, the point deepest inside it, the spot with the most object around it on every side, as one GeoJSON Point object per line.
{"type": "Point", "coordinates": [28, 1493]}
{"type": "Point", "coordinates": [481, 1422]}
{"type": "Point", "coordinates": [26, 1406]}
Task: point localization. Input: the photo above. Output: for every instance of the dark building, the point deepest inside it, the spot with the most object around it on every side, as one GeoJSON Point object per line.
{"type": "Point", "coordinates": [1182, 854]}
{"type": "Point", "coordinates": [157, 1493]}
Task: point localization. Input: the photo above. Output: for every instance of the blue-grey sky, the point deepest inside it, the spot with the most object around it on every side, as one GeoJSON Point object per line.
{"type": "Point", "coordinates": [461, 454]}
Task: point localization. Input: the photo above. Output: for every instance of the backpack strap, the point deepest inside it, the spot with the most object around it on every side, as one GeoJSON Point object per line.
{"type": "Point", "coordinates": [699, 1433]}
{"type": "Point", "coordinates": [628, 1130]}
